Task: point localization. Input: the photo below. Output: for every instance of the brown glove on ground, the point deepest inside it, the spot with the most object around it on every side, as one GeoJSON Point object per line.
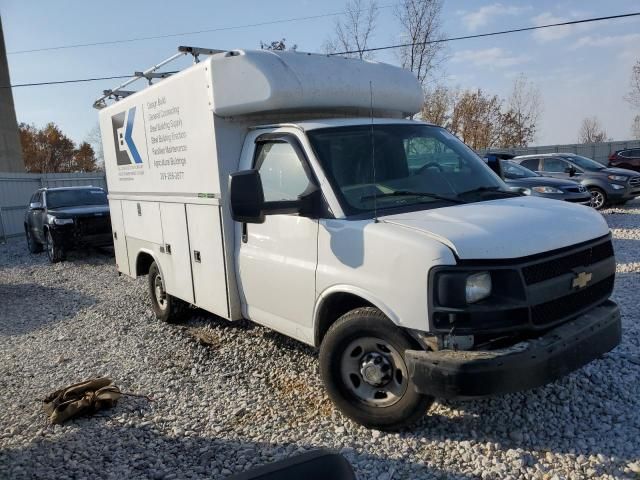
{"type": "Point", "coordinates": [83, 398]}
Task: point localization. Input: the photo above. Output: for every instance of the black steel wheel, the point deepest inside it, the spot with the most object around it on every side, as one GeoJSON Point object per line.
{"type": "Point", "coordinates": [363, 368]}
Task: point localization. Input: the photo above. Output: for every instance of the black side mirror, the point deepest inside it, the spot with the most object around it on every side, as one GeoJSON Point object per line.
{"type": "Point", "coordinates": [247, 197]}
{"type": "Point", "coordinates": [35, 206]}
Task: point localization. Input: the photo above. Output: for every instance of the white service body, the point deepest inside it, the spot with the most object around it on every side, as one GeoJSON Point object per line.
{"type": "Point", "coordinates": [169, 151]}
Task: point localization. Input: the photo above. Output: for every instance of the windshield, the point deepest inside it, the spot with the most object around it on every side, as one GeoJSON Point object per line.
{"type": "Point", "coordinates": [586, 163]}
{"type": "Point", "coordinates": [513, 171]}
{"type": "Point", "coordinates": [411, 162]}
{"type": "Point", "coordinates": [75, 198]}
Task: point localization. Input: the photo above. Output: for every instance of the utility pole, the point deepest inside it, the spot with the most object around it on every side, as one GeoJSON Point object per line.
{"type": "Point", "coordinates": [10, 150]}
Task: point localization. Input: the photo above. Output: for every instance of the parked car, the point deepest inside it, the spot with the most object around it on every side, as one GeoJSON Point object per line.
{"type": "Point", "coordinates": [65, 218]}
{"type": "Point", "coordinates": [608, 186]}
{"type": "Point", "coordinates": [532, 183]}
{"type": "Point", "coordinates": [628, 158]}
{"type": "Point", "coordinates": [386, 243]}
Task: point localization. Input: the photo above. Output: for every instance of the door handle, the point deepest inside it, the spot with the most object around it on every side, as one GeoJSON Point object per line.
{"type": "Point", "coordinates": [196, 256]}
{"type": "Point", "coordinates": [115, 235]}
{"type": "Point", "coordinates": [168, 249]}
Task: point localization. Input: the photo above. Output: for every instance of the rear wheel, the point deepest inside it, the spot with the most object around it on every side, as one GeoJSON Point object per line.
{"type": "Point", "coordinates": [33, 245]}
{"type": "Point", "coordinates": [598, 198]}
{"type": "Point", "coordinates": [55, 251]}
{"type": "Point", "coordinates": [363, 368]}
{"type": "Point", "coordinates": [166, 307]}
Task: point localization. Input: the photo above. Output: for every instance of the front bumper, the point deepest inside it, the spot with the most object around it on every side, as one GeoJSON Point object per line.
{"type": "Point", "coordinates": [627, 193]}
{"type": "Point", "coordinates": [70, 237]}
{"type": "Point", "coordinates": [468, 374]}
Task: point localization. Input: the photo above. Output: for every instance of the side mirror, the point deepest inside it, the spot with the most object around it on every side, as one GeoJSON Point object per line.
{"type": "Point", "coordinates": [570, 170]}
{"type": "Point", "coordinates": [247, 197]}
{"type": "Point", "coordinates": [35, 206]}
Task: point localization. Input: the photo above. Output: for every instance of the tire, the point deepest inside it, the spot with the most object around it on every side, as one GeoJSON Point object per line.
{"type": "Point", "coordinates": [598, 198]}
{"type": "Point", "coordinates": [32, 244]}
{"type": "Point", "coordinates": [166, 307]}
{"type": "Point", "coordinates": [55, 251]}
{"type": "Point", "coordinates": [365, 338]}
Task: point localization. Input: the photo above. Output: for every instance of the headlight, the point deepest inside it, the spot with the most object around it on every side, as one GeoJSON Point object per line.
{"type": "Point", "coordinates": [478, 286]}
{"type": "Point", "coordinates": [618, 178]}
{"type": "Point", "coordinates": [59, 221]}
{"type": "Point", "coordinates": [546, 190]}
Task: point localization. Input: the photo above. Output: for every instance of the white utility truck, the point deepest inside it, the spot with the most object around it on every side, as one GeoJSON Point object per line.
{"type": "Point", "coordinates": [290, 189]}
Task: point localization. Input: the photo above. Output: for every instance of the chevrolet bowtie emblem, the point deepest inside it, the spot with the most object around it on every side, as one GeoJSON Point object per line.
{"type": "Point", "coordinates": [581, 280]}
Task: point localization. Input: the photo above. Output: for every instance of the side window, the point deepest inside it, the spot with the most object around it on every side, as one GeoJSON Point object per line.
{"type": "Point", "coordinates": [634, 153]}
{"type": "Point", "coordinates": [283, 176]}
{"type": "Point", "coordinates": [33, 198]}
{"type": "Point", "coordinates": [554, 165]}
{"type": "Point", "coordinates": [530, 163]}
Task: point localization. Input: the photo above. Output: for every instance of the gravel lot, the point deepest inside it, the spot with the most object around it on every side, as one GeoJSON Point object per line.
{"type": "Point", "coordinates": [252, 396]}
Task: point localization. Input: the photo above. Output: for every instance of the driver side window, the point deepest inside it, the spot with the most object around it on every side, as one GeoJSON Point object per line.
{"type": "Point", "coordinates": [555, 165]}
{"type": "Point", "coordinates": [281, 171]}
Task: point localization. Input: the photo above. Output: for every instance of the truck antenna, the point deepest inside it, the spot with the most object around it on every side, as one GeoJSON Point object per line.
{"type": "Point", "coordinates": [373, 154]}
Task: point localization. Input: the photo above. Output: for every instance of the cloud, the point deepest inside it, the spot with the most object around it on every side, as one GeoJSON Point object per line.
{"type": "Point", "coordinates": [482, 16]}
{"type": "Point", "coordinates": [607, 41]}
{"type": "Point", "coordinates": [490, 57]}
{"type": "Point", "coordinates": [555, 33]}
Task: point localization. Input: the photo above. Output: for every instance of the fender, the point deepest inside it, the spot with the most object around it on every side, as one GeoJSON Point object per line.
{"type": "Point", "coordinates": [359, 292]}
{"type": "Point", "coordinates": [152, 255]}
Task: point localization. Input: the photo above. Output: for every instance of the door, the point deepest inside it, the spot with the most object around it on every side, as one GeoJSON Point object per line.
{"type": "Point", "coordinates": [119, 236]}
{"type": "Point", "coordinates": [277, 259]}
{"type": "Point", "coordinates": [174, 255]}
{"type": "Point", "coordinates": [556, 168]}
{"type": "Point", "coordinates": [207, 259]}
{"type": "Point", "coordinates": [38, 218]}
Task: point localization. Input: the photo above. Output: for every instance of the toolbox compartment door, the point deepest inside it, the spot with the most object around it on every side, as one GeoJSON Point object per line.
{"type": "Point", "coordinates": [174, 253]}
{"type": "Point", "coordinates": [119, 236]}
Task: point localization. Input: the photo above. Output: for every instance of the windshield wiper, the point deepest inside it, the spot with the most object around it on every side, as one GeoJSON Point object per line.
{"type": "Point", "coordinates": [409, 193]}
{"type": "Point", "coordinates": [492, 190]}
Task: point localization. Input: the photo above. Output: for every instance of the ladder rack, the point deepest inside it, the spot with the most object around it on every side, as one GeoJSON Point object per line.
{"type": "Point", "coordinates": [152, 73]}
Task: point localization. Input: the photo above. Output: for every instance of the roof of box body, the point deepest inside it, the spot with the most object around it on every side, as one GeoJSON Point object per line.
{"type": "Point", "coordinates": [315, 124]}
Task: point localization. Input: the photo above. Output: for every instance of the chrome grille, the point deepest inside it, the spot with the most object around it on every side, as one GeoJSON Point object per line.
{"type": "Point", "coordinates": [635, 181]}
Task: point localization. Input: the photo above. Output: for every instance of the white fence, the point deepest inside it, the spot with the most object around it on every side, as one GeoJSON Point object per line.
{"type": "Point", "coordinates": [598, 151]}
{"type": "Point", "coordinates": [16, 190]}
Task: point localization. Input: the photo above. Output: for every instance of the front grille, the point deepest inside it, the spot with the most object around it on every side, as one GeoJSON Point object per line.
{"type": "Point", "coordinates": [560, 308]}
{"type": "Point", "coordinates": [547, 269]}
{"type": "Point", "coordinates": [94, 225]}
{"type": "Point", "coordinates": [634, 182]}
{"type": "Point", "coordinates": [573, 189]}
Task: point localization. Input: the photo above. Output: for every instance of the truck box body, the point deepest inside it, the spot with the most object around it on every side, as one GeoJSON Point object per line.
{"type": "Point", "coordinates": [170, 148]}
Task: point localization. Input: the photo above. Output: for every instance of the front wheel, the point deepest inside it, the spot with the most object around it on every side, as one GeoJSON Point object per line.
{"type": "Point", "coordinates": [363, 368]}
{"type": "Point", "coordinates": [166, 307]}
{"type": "Point", "coordinates": [598, 198]}
{"type": "Point", "coordinates": [55, 250]}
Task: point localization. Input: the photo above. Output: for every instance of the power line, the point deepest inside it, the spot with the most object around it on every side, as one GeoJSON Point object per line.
{"type": "Point", "coordinates": [491, 34]}
{"type": "Point", "coordinates": [196, 32]}
{"type": "Point", "coordinates": [388, 47]}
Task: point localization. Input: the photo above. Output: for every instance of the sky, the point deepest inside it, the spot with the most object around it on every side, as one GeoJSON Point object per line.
{"type": "Point", "coordinates": [580, 71]}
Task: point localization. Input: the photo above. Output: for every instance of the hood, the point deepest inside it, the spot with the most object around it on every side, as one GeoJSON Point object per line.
{"type": "Point", "coordinates": [80, 211]}
{"type": "Point", "coordinates": [506, 228]}
{"type": "Point", "coordinates": [620, 171]}
{"type": "Point", "coordinates": [540, 182]}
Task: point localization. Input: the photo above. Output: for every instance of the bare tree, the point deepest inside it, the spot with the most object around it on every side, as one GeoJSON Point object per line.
{"type": "Point", "coordinates": [591, 131]}
{"type": "Point", "coordinates": [94, 138]}
{"type": "Point", "coordinates": [633, 97]}
{"type": "Point", "coordinates": [525, 106]}
{"type": "Point", "coordinates": [353, 32]}
{"type": "Point", "coordinates": [635, 128]}
{"type": "Point", "coordinates": [420, 22]}
{"type": "Point", "coordinates": [278, 45]}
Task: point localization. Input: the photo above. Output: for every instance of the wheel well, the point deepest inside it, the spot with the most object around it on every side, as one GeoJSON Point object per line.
{"type": "Point", "coordinates": [143, 263]}
{"type": "Point", "coordinates": [333, 308]}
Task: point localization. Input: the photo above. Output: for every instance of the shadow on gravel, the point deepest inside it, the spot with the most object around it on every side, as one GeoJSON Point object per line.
{"type": "Point", "coordinates": [100, 451]}
{"type": "Point", "coordinates": [25, 307]}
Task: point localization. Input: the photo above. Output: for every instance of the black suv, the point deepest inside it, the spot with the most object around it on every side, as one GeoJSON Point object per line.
{"type": "Point", "coordinates": [608, 186]}
{"type": "Point", "coordinates": [64, 218]}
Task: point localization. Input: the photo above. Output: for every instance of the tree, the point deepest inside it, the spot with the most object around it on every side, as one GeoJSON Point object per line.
{"type": "Point", "coordinates": [352, 34]}
{"type": "Point", "coordinates": [48, 150]}
{"type": "Point", "coordinates": [635, 127]}
{"type": "Point", "coordinates": [633, 97]}
{"type": "Point", "coordinates": [524, 109]}
{"type": "Point", "coordinates": [438, 104]}
{"type": "Point", "coordinates": [94, 138]}
{"type": "Point", "coordinates": [591, 131]}
{"type": "Point", "coordinates": [477, 119]}
{"type": "Point", "coordinates": [420, 22]}
{"type": "Point", "coordinates": [277, 45]}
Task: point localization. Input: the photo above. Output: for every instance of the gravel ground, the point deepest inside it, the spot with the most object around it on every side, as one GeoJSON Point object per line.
{"type": "Point", "coordinates": [227, 397]}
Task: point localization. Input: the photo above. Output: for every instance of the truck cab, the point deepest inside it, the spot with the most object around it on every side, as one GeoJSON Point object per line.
{"type": "Point", "coordinates": [386, 243]}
